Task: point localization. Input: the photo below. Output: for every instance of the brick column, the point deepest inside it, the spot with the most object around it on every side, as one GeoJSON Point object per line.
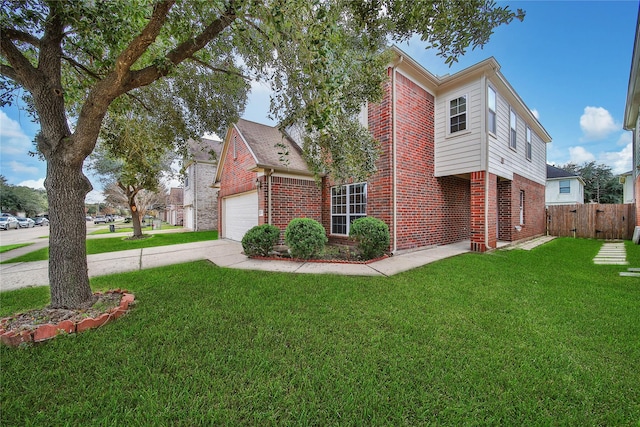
{"type": "Point", "coordinates": [484, 211]}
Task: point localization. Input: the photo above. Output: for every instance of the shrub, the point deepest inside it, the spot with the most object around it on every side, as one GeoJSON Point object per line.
{"type": "Point", "coordinates": [260, 240]}
{"type": "Point", "coordinates": [305, 237]}
{"type": "Point", "coordinates": [371, 236]}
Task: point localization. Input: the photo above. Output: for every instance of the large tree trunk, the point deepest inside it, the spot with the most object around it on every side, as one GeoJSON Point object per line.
{"type": "Point", "coordinates": [135, 221]}
{"type": "Point", "coordinates": [67, 188]}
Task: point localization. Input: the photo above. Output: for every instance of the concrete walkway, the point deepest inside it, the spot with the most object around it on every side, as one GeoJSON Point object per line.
{"type": "Point", "coordinates": [225, 253]}
{"type": "Point", "coordinates": [611, 253]}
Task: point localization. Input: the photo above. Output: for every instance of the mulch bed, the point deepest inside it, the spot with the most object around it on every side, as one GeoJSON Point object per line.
{"type": "Point", "coordinates": [46, 323]}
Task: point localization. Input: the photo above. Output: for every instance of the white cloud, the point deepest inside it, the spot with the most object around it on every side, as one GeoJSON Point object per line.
{"type": "Point", "coordinates": [19, 167]}
{"type": "Point", "coordinates": [619, 161]}
{"type": "Point", "coordinates": [38, 184]}
{"type": "Point", "coordinates": [13, 140]}
{"type": "Point", "coordinates": [535, 113]}
{"type": "Point", "coordinates": [597, 123]}
{"type": "Point", "coordinates": [579, 155]}
{"type": "Point", "coordinates": [625, 138]}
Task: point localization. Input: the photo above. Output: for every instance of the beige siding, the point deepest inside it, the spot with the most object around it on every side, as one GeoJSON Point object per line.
{"type": "Point", "coordinates": [461, 152]}
{"type": "Point", "coordinates": [503, 160]}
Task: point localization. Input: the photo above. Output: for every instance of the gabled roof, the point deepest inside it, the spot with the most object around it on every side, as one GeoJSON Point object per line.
{"type": "Point", "coordinates": [204, 150]}
{"type": "Point", "coordinates": [265, 143]}
{"type": "Point", "coordinates": [555, 173]}
{"type": "Point", "coordinates": [176, 196]}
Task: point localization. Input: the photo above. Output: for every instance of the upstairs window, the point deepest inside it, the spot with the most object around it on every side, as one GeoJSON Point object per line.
{"type": "Point", "coordinates": [458, 114]}
{"type": "Point", "coordinates": [513, 120]}
{"type": "Point", "coordinates": [348, 203]}
{"type": "Point", "coordinates": [529, 149]}
{"type": "Point", "coordinates": [491, 106]}
{"type": "Point", "coordinates": [565, 186]}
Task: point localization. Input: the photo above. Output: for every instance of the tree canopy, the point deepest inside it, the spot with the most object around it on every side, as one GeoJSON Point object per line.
{"type": "Point", "coordinates": [22, 199]}
{"type": "Point", "coordinates": [79, 60]}
{"type": "Point", "coordinates": [600, 184]}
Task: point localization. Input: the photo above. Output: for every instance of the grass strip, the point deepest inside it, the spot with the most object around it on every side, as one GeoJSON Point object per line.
{"type": "Point", "coordinates": [115, 244]}
{"type": "Point", "coordinates": [7, 248]}
{"type": "Point", "coordinates": [541, 337]}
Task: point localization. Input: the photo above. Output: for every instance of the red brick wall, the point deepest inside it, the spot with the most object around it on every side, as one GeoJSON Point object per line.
{"type": "Point", "coordinates": [430, 210]}
{"type": "Point", "coordinates": [534, 208]}
{"type": "Point", "coordinates": [292, 198]}
{"type": "Point", "coordinates": [505, 208]}
{"type": "Point", "coordinates": [236, 177]}
{"type": "Point", "coordinates": [478, 194]}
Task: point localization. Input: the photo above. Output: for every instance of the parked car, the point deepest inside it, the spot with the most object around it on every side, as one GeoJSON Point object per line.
{"type": "Point", "coordinates": [100, 219]}
{"type": "Point", "coordinates": [8, 222]}
{"type": "Point", "coordinates": [41, 221]}
{"type": "Point", "coordinates": [25, 222]}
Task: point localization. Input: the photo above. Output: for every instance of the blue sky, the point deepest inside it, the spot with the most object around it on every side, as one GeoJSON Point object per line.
{"type": "Point", "coordinates": [569, 61]}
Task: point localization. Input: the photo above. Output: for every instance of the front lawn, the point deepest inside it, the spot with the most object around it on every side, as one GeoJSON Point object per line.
{"type": "Point", "coordinates": [102, 245]}
{"type": "Point", "coordinates": [7, 248]}
{"type": "Point", "coordinates": [508, 338]}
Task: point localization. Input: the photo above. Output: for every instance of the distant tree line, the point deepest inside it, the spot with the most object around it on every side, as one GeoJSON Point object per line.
{"type": "Point", "coordinates": [24, 200]}
{"type": "Point", "coordinates": [600, 184]}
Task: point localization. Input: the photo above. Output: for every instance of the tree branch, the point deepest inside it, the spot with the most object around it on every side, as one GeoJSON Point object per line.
{"type": "Point", "coordinates": [24, 73]}
{"type": "Point", "coordinates": [218, 70]}
{"type": "Point", "coordinates": [8, 72]}
{"type": "Point", "coordinates": [183, 51]}
{"type": "Point", "coordinates": [75, 64]}
{"type": "Point", "coordinates": [141, 43]}
{"type": "Point", "coordinates": [20, 36]}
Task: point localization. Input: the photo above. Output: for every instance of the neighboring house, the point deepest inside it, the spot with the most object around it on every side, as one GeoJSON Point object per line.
{"type": "Point", "coordinates": [626, 180]}
{"type": "Point", "coordinates": [632, 118]}
{"type": "Point", "coordinates": [462, 158]}
{"type": "Point", "coordinates": [200, 197]}
{"type": "Point", "coordinates": [563, 188]}
{"type": "Point", "coordinates": [174, 209]}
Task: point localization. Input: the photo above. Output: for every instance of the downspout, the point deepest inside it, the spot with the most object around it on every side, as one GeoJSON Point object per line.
{"type": "Point", "coordinates": [269, 196]}
{"type": "Point", "coordinates": [195, 195]}
{"type": "Point", "coordinates": [394, 154]}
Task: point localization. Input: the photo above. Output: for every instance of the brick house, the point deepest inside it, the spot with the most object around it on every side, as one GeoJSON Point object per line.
{"type": "Point", "coordinates": [463, 158]}
{"type": "Point", "coordinates": [173, 212]}
{"type": "Point", "coordinates": [200, 196]}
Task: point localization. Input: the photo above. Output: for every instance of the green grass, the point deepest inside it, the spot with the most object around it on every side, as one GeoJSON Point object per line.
{"type": "Point", "coordinates": [7, 248]}
{"type": "Point", "coordinates": [127, 228]}
{"type": "Point", "coordinates": [508, 338]}
{"type": "Point", "coordinates": [99, 246]}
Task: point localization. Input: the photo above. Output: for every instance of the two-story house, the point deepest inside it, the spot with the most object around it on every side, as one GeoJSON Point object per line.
{"type": "Point", "coordinates": [563, 187]}
{"type": "Point", "coordinates": [200, 197]}
{"type": "Point", "coordinates": [462, 158]}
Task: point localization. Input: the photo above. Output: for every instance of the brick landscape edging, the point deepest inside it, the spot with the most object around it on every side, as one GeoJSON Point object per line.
{"type": "Point", "coordinates": [49, 330]}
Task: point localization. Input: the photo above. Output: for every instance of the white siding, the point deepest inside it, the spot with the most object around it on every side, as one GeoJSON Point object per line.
{"type": "Point", "coordinates": [505, 161]}
{"type": "Point", "coordinates": [461, 152]}
{"type": "Point", "coordinates": [554, 197]}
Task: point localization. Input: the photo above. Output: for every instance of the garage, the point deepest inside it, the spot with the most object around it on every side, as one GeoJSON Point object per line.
{"type": "Point", "coordinates": [240, 214]}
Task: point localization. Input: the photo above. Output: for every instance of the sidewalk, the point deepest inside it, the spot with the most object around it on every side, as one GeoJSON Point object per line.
{"type": "Point", "coordinates": [224, 253]}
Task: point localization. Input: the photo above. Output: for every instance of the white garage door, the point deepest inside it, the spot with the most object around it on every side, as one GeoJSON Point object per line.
{"type": "Point", "coordinates": [240, 214]}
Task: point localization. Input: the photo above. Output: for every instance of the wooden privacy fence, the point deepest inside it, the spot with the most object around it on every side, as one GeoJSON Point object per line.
{"type": "Point", "coordinates": [595, 221]}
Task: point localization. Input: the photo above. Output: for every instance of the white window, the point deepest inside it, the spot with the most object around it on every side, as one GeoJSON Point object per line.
{"type": "Point", "coordinates": [348, 203]}
{"type": "Point", "coordinates": [521, 207]}
{"type": "Point", "coordinates": [565, 186]}
{"type": "Point", "coordinates": [458, 114]}
{"type": "Point", "coordinates": [491, 106]}
{"type": "Point", "coordinates": [513, 120]}
{"type": "Point", "coordinates": [529, 143]}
